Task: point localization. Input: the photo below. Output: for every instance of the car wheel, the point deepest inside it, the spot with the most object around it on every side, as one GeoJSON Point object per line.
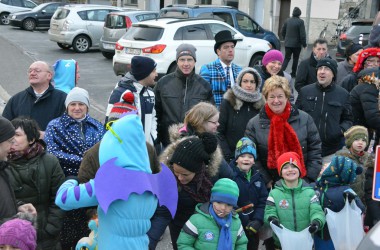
{"type": "Point", "coordinates": [256, 60]}
{"type": "Point", "coordinates": [108, 55]}
{"type": "Point", "coordinates": [29, 24]}
{"type": "Point", "coordinates": [64, 46]}
{"type": "Point", "coordinates": [4, 19]}
{"type": "Point", "coordinates": [81, 44]}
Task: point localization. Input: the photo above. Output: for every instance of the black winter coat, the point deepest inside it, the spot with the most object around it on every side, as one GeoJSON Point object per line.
{"type": "Point", "coordinates": [8, 206]}
{"type": "Point", "coordinates": [365, 105]}
{"type": "Point", "coordinates": [253, 191]}
{"type": "Point", "coordinates": [306, 73]}
{"type": "Point", "coordinates": [37, 181]}
{"type": "Point", "coordinates": [233, 118]}
{"type": "Point", "coordinates": [308, 136]}
{"type": "Point", "coordinates": [331, 110]}
{"type": "Point", "coordinates": [349, 82]}
{"type": "Point", "coordinates": [294, 33]}
{"type": "Point", "coordinates": [175, 95]}
{"type": "Point", "coordinates": [25, 103]}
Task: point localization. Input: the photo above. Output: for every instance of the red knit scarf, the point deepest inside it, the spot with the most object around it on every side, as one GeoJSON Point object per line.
{"type": "Point", "coordinates": [282, 138]}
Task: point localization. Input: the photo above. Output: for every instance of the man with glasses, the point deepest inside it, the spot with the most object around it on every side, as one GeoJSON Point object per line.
{"type": "Point", "coordinates": [40, 101]}
{"type": "Point", "coordinates": [367, 59]}
{"type": "Point", "coordinates": [222, 72]}
{"type": "Point", "coordinates": [178, 92]}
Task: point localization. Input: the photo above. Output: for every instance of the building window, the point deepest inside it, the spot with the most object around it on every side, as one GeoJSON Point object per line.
{"type": "Point", "coordinates": [204, 2]}
{"type": "Point", "coordinates": [131, 2]}
{"type": "Point", "coordinates": [233, 3]}
{"type": "Point", "coordinates": [180, 2]}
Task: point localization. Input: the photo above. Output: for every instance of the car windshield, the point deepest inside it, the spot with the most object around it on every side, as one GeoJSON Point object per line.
{"type": "Point", "coordinates": [61, 13]}
{"type": "Point", "coordinates": [357, 30]}
{"type": "Point", "coordinates": [144, 33]}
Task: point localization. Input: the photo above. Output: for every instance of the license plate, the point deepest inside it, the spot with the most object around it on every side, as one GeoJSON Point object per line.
{"type": "Point", "coordinates": [108, 46]}
{"type": "Point", "coordinates": [132, 51]}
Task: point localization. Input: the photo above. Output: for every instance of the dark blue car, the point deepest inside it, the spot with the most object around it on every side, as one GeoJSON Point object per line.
{"type": "Point", "coordinates": [234, 17]}
{"type": "Point", "coordinates": [38, 17]}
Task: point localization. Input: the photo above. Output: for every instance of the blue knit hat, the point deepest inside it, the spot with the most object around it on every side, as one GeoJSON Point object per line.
{"type": "Point", "coordinates": [245, 146]}
{"type": "Point", "coordinates": [225, 190]}
{"type": "Point", "coordinates": [342, 170]}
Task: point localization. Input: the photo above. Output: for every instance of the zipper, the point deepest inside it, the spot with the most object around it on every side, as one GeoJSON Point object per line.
{"type": "Point", "coordinates": [326, 124]}
{"type": "Point", "coordinates": [184, 98]}
{"type": "Point", "coordinates": [323, 104]}
{"type": "Point", "coordinates": [294, 211]}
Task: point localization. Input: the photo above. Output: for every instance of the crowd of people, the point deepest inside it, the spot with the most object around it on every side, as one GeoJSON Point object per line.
{"type": "Point", "coordinates": [218, 157]}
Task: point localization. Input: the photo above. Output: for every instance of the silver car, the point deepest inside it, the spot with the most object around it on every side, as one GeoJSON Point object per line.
{"type": "Point", "coordinates": [10, 6]}
{"type": "Point", "coordinates": [79, 26]}
{"type": "Point", "coordinates": [115, 26]}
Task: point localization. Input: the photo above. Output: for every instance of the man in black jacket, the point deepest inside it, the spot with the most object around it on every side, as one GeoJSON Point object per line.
{"type": "Point", "coordinates": [294, 34]}
{"type": "Point", "coordinates": [40, 101]}
{"type": "Point", "coordinates": [307, 68]}
{"type": "Point", "coordinates": [8, 205]}
{"type": "Point", "coordinates": [329, 105]}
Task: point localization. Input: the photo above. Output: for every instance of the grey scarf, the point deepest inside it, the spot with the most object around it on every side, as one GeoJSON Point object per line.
{"type": "Point", "coordinates": [245, 95]}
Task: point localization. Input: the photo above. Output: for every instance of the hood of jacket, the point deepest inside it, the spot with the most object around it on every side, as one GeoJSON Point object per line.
{"type": "Point", "coordinates": [127, 82]}
{"type": "Point", "coordinates": [237, 103]}
{"type": "Point", "coordinates": [212, 168]}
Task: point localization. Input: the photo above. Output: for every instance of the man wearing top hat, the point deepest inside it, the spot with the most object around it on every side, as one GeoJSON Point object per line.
{"type": "Point", "coordinates": [221, 73]}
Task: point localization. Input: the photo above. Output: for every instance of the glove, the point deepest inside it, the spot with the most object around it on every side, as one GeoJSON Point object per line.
{"type": "Point", "coordinates": [314, 226]}
{"type": "Point", "coordinates": [254, 226]}
{"type": "Point", "coordinates": [350, 196]}
{"type": "Point", "coordinates": [275, 221]}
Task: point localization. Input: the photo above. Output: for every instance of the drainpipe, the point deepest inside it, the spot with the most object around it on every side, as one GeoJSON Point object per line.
{"type": "Point", "coordinates": [308, 11]}
{"type": "Point", "coordinates": [271, 20]}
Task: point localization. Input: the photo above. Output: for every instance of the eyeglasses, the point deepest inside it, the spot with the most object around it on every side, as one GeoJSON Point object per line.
{"type": "Point", "coordinates": [11, 140]}
{"type": "Point", "coordinates": [372, 61]}
{"type": "Point", "coordinates": [37, 71]}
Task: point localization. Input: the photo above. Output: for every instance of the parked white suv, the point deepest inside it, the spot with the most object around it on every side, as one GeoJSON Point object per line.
{"type": "Point", "coordinates": [10, 6]}
{"type": "Point", "coordinates": [79, 26]}
{"type": "Point", "coordinates": [160, 38]}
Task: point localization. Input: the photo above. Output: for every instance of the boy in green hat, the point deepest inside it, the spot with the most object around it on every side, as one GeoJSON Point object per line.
{"type": "Point", "coordinates": [215, 225]}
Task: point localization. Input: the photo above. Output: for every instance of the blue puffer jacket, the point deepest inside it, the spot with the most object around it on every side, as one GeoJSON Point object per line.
{"type": "Point", "coordinates": [253, 191]}
{"type": "Point", "coordinates": [68, 139]}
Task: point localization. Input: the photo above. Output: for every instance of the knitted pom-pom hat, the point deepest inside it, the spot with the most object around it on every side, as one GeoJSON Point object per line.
{"type": "Point", "coordinates": [245, 146]}
{"type": "Point", "coordinates": [226, 191]}
{"type": "Point", "coordinates": [342, 171]}
{"type": "Point", "coordinates": [292, 158]}
{"type": "Point", "coordinates": [354, 133]}
{"type": "Point", "coordinates": [193, 152]}
{"type": "Point", "coordinates": [19, 234]}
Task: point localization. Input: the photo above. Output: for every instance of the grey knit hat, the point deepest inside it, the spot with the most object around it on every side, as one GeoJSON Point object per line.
{"type": "Point", "coordinates": [77, 95]}
{"type": "Point", "coordinates": [186, 49]}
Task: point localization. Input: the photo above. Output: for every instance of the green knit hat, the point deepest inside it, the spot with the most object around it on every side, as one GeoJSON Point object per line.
{"type": "Point", "coordinates": [354, 133]}
{"type": "Point", "coordinates": [226, 191]}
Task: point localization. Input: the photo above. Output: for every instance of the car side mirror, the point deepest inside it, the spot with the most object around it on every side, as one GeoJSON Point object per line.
{"type": "Point", "coordinates": [238, 37]}
{"type": "Point", "coordinates": [43, 11]}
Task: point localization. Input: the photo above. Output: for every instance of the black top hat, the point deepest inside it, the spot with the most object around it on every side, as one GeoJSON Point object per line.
{"type": "Point", "coordinates": [223, 37]}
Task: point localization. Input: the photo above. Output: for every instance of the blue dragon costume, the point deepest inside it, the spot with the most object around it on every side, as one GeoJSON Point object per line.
{"type": "Point", "coordinates": [124, 188]}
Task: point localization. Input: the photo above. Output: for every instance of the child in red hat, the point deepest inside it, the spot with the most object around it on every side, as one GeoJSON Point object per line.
{"type": "Point", "coordinates": [292, 203]}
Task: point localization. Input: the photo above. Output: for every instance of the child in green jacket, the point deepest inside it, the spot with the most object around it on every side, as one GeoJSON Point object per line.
{"type": "Point", "coordinates": [292, 202]}
{"type": "Point", "coordinates": [215, 226]}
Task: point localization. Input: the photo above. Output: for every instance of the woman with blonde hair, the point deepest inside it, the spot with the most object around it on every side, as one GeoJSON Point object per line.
{"type": "Point", "coordinates": [202, 117]}
{"type": "Point", "coordinates": [281, 127]}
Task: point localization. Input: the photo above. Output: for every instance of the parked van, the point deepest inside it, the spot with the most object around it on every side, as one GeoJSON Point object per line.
{"type": "Point", "coordinates": [79, 26]}
{"type": "Point", "coordinates": [115, 26]}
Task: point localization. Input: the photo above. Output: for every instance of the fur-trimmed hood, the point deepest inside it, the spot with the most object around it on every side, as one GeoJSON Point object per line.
{"type": "Point", "coordinates": [166, 155]}
{"type": "Point", "coordinates": [237, 103]}
{"type": "Point", "coordinates": [359, 159]}
{"type": "Point", "coordinates": [252, 70]}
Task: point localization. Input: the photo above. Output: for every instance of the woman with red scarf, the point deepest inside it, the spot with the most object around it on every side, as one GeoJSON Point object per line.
{"type": "Point", "coordinates": [281, 127]}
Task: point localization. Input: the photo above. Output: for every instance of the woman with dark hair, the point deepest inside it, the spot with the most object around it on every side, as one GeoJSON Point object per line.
{"type": "Point", "coordinates": [195, 162]}
{"type": "Point", "coordinates": [35, 176]}
{"type": "Point", "coordinates": [240, 103]}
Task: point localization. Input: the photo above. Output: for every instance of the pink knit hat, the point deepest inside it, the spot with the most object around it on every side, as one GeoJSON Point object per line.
{"type": "Point", "coordinates": [272, 55]}
{"type": "Point", "coordinates": [18, 233]}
